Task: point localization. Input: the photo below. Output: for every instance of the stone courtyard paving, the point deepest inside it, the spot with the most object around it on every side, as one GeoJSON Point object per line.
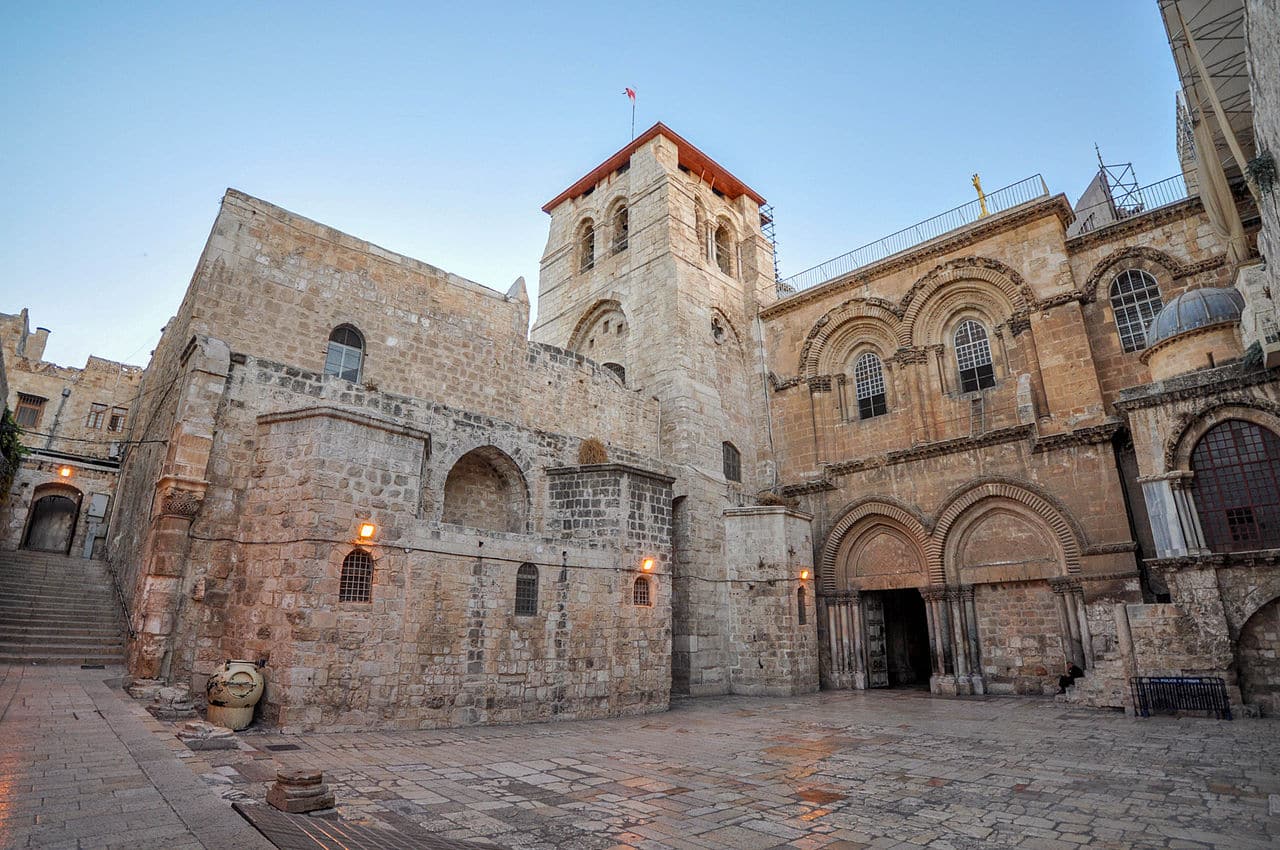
{"type": "Point", "coordinates": [834, 770]}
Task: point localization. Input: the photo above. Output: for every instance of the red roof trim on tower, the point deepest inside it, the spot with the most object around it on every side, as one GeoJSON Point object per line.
{"type": "Point", "coordinates": [689, 156]}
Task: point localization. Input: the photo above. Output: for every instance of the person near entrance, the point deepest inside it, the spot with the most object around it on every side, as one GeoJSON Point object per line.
{"type": "Point", "coordinates": [1073, 673]}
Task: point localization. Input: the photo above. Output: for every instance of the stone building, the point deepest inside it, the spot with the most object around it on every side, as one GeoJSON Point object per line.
{"type": "Point", "coordinates": [75, 423]}
{"type": "Point", "coordinates": [1017, 435]}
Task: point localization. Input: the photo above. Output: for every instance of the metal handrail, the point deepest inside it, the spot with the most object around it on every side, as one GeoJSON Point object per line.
{"type": "Point", "coordinates": [1124, 206]}
{"type": "Point", "coordinates": [1030, 189]}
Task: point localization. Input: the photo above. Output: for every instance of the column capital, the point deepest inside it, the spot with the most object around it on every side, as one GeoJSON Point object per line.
{"type": "Point", "coordinates": [1065, 584]}
{"type": "Point", "coordinates": [934, 592]}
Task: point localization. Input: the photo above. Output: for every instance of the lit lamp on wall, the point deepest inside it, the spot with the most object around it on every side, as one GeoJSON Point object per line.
{"type": "Point", "coordinates": [646, 566]}
{"type": "Point", "coordinates": [804, 575]}
{"type": "Point", "coordinates": [366, 531]}
{"type": "Point", "coordinates": [64, 471]}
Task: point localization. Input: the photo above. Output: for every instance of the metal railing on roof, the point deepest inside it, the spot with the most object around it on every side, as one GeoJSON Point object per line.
{"type": "Point", "coordinates": [1129, 204]}
{"type": "Point", "coordinates": [1030, 189]}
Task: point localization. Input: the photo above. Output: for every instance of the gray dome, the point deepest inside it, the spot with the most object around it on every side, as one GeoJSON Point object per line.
{"type": "Point", "coordinates": [1195, 309]}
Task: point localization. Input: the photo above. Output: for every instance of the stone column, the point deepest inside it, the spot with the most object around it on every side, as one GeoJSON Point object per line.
{"type": "Point", "coordinates": [831, 607]}
{"type": "Point", "coordinates": [1068, 622]}
{"type": "Point", "coordinates": [935, 658]}
{"type": "Point", "coordinates": [858, 633]}
{"type": "Point", "coordinates": [975, 651]}
{"type": "Point", "coordinates": [1086, 637]}
{"type": "Point", "coordinates": [959, 640]}
{"type": "Point", "coordinates": [935, 596]}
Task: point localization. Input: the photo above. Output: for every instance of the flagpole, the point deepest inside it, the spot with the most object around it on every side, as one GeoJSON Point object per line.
{"type": "Point", "coordinates": [633, 119]}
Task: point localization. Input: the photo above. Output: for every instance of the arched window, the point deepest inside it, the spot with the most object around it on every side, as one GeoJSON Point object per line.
{"type": "Point", "coordinates": [617, 369]}
{"type": "Point", "coordinates": [640, 592]}
{"type": "Point", "coordinates": [732, 461]}
{"type": "Point", "coordinates": [1135, 301]}
{"type": "Point", "coordinates": [346, 353]}
{"type": "Point", "coordinates": [868, 382]}
{"type": "Point", "coordinates": [586, 246]}
{"type": "Point", "coordinates": [723, 248]}
{"type": "Point", "coordinates": [1237, 488]}
{"type": "Point", "coordinates": [620, 224]}
{"type": "Point", "coordinates": [973, 357]}
{"type": "Point", "coordinates": [802, 614]}
{"type": "Point", "coordinates": [356, 582]}
{"type": "Point", "coordinates": [526, 590]}
{"type": "Point", "coordinates": [486, 489]}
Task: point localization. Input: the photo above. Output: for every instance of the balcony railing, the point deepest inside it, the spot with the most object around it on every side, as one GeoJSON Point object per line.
{"type": "Point", "coordinates": [1030, 189]}
{"type": "Point", "coordinates": [1128, 204]}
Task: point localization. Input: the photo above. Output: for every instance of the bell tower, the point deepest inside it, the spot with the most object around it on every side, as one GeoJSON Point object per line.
{"type": "Point", "coordinates": [655, 268]}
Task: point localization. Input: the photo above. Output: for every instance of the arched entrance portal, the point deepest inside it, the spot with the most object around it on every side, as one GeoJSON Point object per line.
{"type": "Point", "coordinates": [1256, 659]}
{"type": "Point", "coordinates": [52, 521]}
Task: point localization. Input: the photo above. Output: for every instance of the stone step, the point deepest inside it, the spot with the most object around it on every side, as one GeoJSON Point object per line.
{"type": "Point", "coordinates": [104, 658]}
{"type": "Point", "coordinates": [67, 597]}
{"type": "Point", "coordinates": [44, 644]}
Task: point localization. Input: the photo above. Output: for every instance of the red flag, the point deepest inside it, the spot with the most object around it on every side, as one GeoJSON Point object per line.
{"type": "Point", "coordinates": [630, 92]}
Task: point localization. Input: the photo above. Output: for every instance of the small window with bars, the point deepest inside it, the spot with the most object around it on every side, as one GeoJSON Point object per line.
{"type": "Point", "coordinates": [356, 581]}
{"type": "Point", "coordinates": [1135, 301]}
{"type": "Point", "coordinates": [732, 462]}
{"type": "Point", "coordinates": [97, 415]}
{"type": "Point", "coordinates": [973, 357]}
{"type": "Point", "coordinates": [722, 247]}
{"type": "Point", "coordinates": [27, 413]}
{"type": "Point", "coordinates": [640, 592]}
{"type": "Point", "coordinates": [802, 612]}
{"type": "Point", "coordinates": [868, 381]}
{"type": "Point", "coordinates": [119, 415]}
{"type": "Point", "coordinates": [526, 590]}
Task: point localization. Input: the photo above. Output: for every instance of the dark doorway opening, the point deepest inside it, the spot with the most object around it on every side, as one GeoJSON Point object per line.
{"type": "Point", "coordinates": [906, 639]}
{"type": "Point", "coordinates": [52, 524]}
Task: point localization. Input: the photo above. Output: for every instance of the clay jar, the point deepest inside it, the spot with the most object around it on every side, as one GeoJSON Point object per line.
{"type": "Point", "coordinates": [233, 691]}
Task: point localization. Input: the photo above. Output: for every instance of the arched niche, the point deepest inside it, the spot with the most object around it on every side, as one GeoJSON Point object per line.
{"type": "Point", "coordinates": [52, 518]}
{"type": "Point", "coordinates": [875, 544]}
{"type": "Point", "coordinates": [486, 489]}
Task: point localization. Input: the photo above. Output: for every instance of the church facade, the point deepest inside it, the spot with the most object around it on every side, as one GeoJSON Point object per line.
{"type": "Point", "coordinates": [1041, 436]}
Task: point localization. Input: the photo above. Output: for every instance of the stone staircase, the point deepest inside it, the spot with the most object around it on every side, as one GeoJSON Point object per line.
{"type": "Point", "coordinates": [1105, 683]}
{"type": "Point", "coordinates": [58, 610]}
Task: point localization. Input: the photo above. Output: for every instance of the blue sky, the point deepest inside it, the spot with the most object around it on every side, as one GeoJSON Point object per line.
{"type": "Point", "coordinates": [439, 131]}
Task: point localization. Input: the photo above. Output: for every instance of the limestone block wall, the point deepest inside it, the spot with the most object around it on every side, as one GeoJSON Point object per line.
{"type": "Point", "coordinates": [1022, 643]}
{"type": "Point", "coordinates": [440, 641]}
{"type": "Point", "coordinates": [771, 645]}
{"type": "Point", "coordinates": [1262, 34]}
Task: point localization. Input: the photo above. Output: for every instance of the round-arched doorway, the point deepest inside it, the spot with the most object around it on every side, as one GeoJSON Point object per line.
{"type": "Point", "coordinates": [51, 524]}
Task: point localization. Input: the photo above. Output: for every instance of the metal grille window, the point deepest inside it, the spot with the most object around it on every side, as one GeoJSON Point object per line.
{"type": "Point", "coordinates": [346, 353]}
{"type": "Point", "coordinates": [526, 590]}
{"type": "Point", "coordinates": [732, 462]}
{"type": "Point", "coordinates": [1135, 301]}
{"type": "Point", "coordinates": [356, 582]}
{"type": "Point", "coordinates": [868, 380]}
{"type": "Point", "coordinates": [973, 357]}
{"type": "Point", "coordinates": [800, 609]}
{"type": "Point", "coordinates": [97, 413]}
{"type": "Point", "coordinates": [621, 226]}
{"type": "Point", "coordinates": [118, 417]}
{"type": "Point", "coordinates": [723, 245]}
{"type": "Point", "coordinates": [1237, 487]}
{"type": "Point", "coordinates": [27, 413]}
{"type": "Point", "coordinates": [586, 246]}
{"type": "Point", "coordinates": [640, 592]}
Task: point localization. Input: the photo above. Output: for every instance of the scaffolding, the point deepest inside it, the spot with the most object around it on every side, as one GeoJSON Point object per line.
{"type": "Point", "coordinates": [770, 235]}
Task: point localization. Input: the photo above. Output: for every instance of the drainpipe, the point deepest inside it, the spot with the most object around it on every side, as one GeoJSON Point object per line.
{"type": "Point", "coordinates": [53, 429]}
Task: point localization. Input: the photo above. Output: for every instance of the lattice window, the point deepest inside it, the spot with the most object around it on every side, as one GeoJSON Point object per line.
{"type": "Point", "coordinates": [640, 594]}
{"type": "Point", "coordinates": [27, 413]}
{"type": "Point", "coordinates": [868, 381]}
{"type": "Point", "coordinates": [1135, 301]}
{"type": "Point", "coordinates": [526, 590]}
{"type": "Point", "coordinates": [621, 225]}
{"type": "Point", "coordinates": [356, 581]}
{"type": "Point", "coordinates": [801, 611]}
{"type": "Point", "coordinates": [119, 415]}
{"type": "Point", "coordinates": [973, 357]}
{"type": "Point", "coordinates": [1237, 486]}
{"type": "Point", "coordinates": [345, 354]}
{"type": "Point", "coordinates": [97, 414]}
{"type": "Point", "coordinates": [586, 246]}
{"type": "Point", "coordinates": [732, 462]}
